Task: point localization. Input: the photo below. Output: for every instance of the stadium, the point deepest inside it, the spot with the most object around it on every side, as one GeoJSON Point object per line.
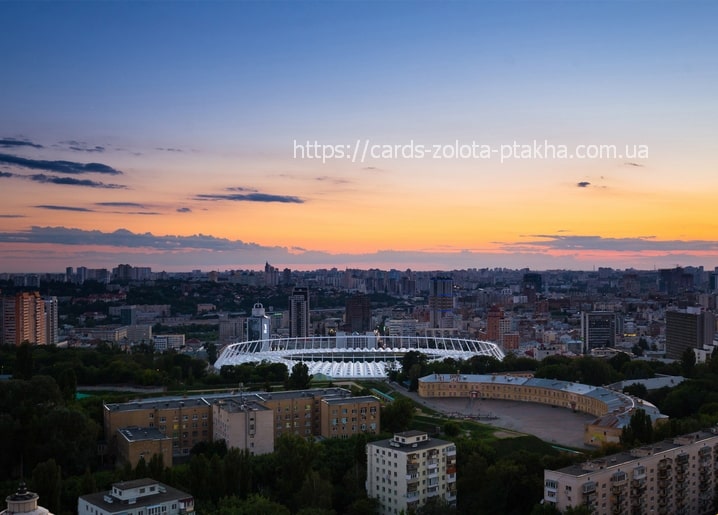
{"type": "Point", "coordinates": [353, 356]}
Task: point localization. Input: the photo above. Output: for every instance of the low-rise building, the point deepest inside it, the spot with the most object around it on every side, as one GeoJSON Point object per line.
{"type": "Point", "coordinates": [613, 409]}
{"type": "Point", "coordinates": [136, 443]}
{"type": "Point", "coordinates": [405, 471]}
{"type": "Point", "coordinates": [23, 502]}
{"type": "Point", "coordinates": [674, 476]}
{"type": "Point", "coordinates": [138, 497]}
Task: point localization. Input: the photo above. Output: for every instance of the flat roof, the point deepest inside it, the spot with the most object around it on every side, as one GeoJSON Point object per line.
{"type": "Point", "coordinates": [620, 458]}
{"type": "Point", "coordinates": [188, 401]}
{"type": "Point", "coordinates": [236, 405]}
{"type": "Point", "coordinates": [350, 400]}
{"type": "Point", "coordinates": [429, 443]}
{"type": "Point", "coordinates": [117, 506]}
{"type": "Point", "coordinates": [138, 434]}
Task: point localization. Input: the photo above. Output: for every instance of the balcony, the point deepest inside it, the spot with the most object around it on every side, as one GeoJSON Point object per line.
{"type": "Point", "coordinates": [412, 478]}
{"type": "Point", "coordinates": [411, 496]}
{"type": "Point", "coordinates": [432, 491]}
{"type": "Point", "coordinates": [589, 487]}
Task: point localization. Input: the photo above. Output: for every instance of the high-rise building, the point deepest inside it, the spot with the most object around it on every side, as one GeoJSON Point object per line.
{"type": "Point", "coordinates": [357, 317]}
{"type": "Point", "coordinates": [691, 328]}
{"type": "Point", "coordinates": [24, 319]}
{"type": "Point", "coordinates": [441, 299]}
{"type": "Point", "coordinates": [405, 471]}
{"type": "Point", "coordinates": [52, 317]}
{"type": "Point", "coordinates": [598, 329]}
{"type": "Point", "coordinates": [231, 330]}
{"type": "Point", "coordinates": [496, 324]}
{"type": "Point", "coordinates": [271, 275]}
{"type": "Point", "coordinates": [299, 326]}
{"type": "Point", "coordinates": [258, 325]}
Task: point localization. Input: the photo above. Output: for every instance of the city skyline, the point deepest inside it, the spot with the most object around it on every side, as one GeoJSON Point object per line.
{"type": "Point", "coordinates": [185, 135]}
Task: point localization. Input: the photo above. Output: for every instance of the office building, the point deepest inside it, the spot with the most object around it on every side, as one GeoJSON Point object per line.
{"type": "Point", "coordinates": [405, 471]}
{"type": "Point", "coordinates": [692, 328]}
{"type": "Point", "coordinates": [141, 496]}
{"type": "Point", "coordinates": [670, 477]}
{"type": "Point", "coordinates": [299, 325]}
{"type": "Point", "coordinates": [598, 329]}
{"type": "Point", "coordinates": [23, 502]}
{"type": "Point", "coordinates": [441, 299]}
{"type": "Point", "coordinates": [164, 342]}
{"type": "Point", "coordinates": [258, 325]}
{"type": "Point", "coordinates": [231, 329]}
{"type": "Point", "coordinates": [357, 316]}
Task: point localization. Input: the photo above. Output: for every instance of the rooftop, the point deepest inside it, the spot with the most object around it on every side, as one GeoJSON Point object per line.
{"type": "Point", "coordinates": [138, 434]}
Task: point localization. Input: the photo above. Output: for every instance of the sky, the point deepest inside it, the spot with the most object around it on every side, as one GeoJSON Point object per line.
{"type": "Point", "coordinates": [405, 134]}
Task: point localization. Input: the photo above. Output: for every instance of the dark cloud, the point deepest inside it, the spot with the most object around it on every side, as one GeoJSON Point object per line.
{"type": "Point", "coordinates": [70, 181]}
{"type": "Point", "coordinates": [169, 149]}
{"type": "Point", "coordinates": [65, 208]}
{"type": "Point", "coordinates": [241, 189]}
{"type": "Point", "coordinates": [10, 142]}
{"type": "Point", "coordinates": [6, 174]}
{"type": "Point", "coordinates": [123, 238]}
{"type": "Point", "coordinates": [583, 184]}
{"type": "Point", "coordinates": [66, 167]}
{"type": "Point", "coordinates": [333, 180]}
{"type": "Point", "coordinates": [12, 216]}
{"type": "Point", "coordinates": [253, 197]}
{"type": "Point", "coordinates": [588, 242]}
{"type": "Point", "coordinates": [184, 210]}
{"type": "Point", "coordinates": [120, 204]}
{"type": "Point", "coordinates": [88, 149]}
{"type": "Point", "coordinates": [634, 164]}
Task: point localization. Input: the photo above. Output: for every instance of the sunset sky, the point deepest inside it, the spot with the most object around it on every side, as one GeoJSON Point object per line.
{"type": "Point", "coordinates": [164, 134]}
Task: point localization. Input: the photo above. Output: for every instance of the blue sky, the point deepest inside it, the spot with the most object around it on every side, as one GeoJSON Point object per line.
{"type": "Point", "coordinates": [190, 100]}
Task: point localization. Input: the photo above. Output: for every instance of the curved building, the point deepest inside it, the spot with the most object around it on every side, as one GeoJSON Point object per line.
{"type": "Point", "coordinates": [352, 356]}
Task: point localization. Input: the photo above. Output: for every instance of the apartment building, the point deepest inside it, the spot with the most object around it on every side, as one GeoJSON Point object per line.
{"type": "Point", "coordinates": [243, 425]}
{"type": "Point", "coordinates": [138, 497]}
{"type": "Point", "coordinates": [343, 417]}
{"type": "Point", "coordinates": [187, 421]}
{"type": "Point", "coordinates": [136, 443]}
{"type": "Point", "coordinates": [405, 471]}
{"type": "Point", "coordinates": [671, 477]}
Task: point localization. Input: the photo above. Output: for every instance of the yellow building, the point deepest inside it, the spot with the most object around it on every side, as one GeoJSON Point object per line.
{"type": "Point", "coordinates": [613, 409]}
{"type": "Point", "coordinates": [135, 443]}
{"type": "Point", "coordinates": [187, 421]}
{"type": "Point", "coordinates": [346, 416]}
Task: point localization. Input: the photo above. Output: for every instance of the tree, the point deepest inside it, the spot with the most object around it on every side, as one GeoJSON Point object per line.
{"type": "Point", "coordinates": [211, 353]}
{"type": "Point", "coordinates": [299, 379]}
{"type": "Point", "coordinates": [23, 361]}
{"type": "Point", "coordinates": [688, 361]}
{"type": "Point", "coordinates": [639, 430]}
{"type": "Point", "coordinates": [636, 389]}
{"type": "Point", "coordinates": [396, 416]}
{"type": "Point", "coordinates": [47, 482]}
